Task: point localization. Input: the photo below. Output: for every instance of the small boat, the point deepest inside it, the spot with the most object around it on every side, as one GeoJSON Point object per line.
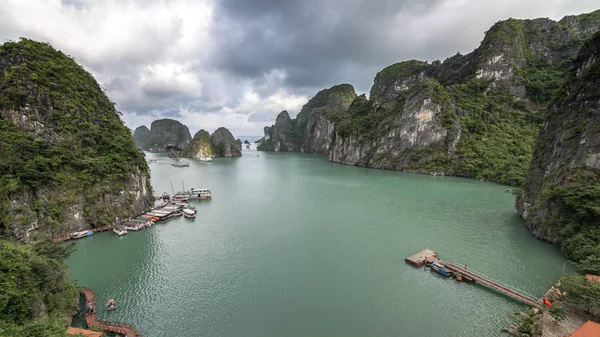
{"type": "Point", "coordinates": [82, 234]}
{"type": "Point", "coordinates": [120, 232]}
{"type": "Point", "coordinates": [152, 161]}
{"type": "Point", "coordinates": [111, 305]}
{"type": "Point", "coordinates": [207, 159]}
{"type": "Point", "coordinates": [188, 213]}
{"type": "Point", "coordinates": [179, 162]}
{"type": "Point", "coordinates": [441, 269]}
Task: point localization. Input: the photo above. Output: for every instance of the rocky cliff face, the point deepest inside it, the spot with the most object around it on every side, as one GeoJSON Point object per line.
{"type": "Point", "coordinates": [141, 136]}
{"type": "Point", "coordinates": [282, 136]}
{"type": "Point", "coordinates": [68, 161]}
{"type": "Point", "coordinates": [224, 144]}
{"type": "Point", "coordinates": [473, 115]}
{"type": "Point", "coordinates": [312, 130]}
{"type": "Point", "coordinates": [200, 146]}
{"type": "Point", "coordinates": [561, 198]}
{"type": "Point", "coordinates": [167, 134]}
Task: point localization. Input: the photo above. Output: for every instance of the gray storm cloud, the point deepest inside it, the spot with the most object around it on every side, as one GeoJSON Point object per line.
{"type": "Point", "coordinates": [237, 63]}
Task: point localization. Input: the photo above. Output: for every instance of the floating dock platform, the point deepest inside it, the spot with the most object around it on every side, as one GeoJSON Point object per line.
{"type": "Point", "coordinates": [430, 258]}
{"type": "Point", "coordinates": [419, 258]}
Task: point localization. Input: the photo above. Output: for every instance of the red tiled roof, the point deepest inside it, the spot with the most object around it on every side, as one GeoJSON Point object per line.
{"type": "Point", "coordinates": [593, 277]}
{"type": "Point", "coordinates": [589, 329]}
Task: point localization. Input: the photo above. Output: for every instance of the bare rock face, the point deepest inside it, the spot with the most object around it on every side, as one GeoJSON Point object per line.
{"type": "Point", "coordinates": [560, 199]}
{"type": "Point", "coordinates": [224, 143]}
{"type": "Point", "coordinates": [200, 147]}
{"type": "Point", "coordinates": [168, 134]}
{"type": "Point", "coordinates": [409, 121]}
{"type": "Point", "coordinates": [141, 136]}
{"type": "Point", "coordinates": [68, 162]}
{"type": "Point", "coordinates": [312, 130]}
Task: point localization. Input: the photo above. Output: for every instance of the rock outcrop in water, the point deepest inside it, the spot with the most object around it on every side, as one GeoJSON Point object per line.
{"type": "Point", "coordinates": [141, 136]}
{"type": "Point", "coordinates": [200, 147]}
{"type": "Point", "coordinates": [168, 134]}
{"type": "Point", "coordinates": [224, 143]}
{"type": "Point", "coordinates": [312, 130]}
{"type": "Point", "coordinates": [560, 201]}
{"type": "Point", "coordinates": [68, 162]}
{"type": "Point", "coordinates": [473, 115]}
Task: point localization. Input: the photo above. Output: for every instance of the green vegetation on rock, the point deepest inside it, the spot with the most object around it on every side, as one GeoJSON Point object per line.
{"type": "Point", "coordinates": [497, 135]}
{"type": "Point", "coordinates": [36, 299]}
{"type": "Point", "coordinates": [62, 144]}
{"type": "Point", "coordinates": [580, 290]}
{"type": "Point", "coordinates": [561, 196]}
{"type": "Point", "coordinates": [200, 146]}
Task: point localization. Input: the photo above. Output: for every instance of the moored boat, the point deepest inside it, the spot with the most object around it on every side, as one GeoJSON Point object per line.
{"type": "Point", "coordinates": [82, 234]}
{"type": "Point", "coordinates": [194, 193]}
{"type": "Point", "coordinates": [440, 269]}
{"type": "Point", "coordinates": [120, 232]}
{"type": "Point", "coordinates": [179, 162]}
{"type": "Point", "coordinates": [207, 159]}
{"type": "Point", "coordinates": [188, 213]}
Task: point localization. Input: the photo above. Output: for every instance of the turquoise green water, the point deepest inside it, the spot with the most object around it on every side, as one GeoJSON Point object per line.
{"type": "Point", "coordinates": [293, 245]}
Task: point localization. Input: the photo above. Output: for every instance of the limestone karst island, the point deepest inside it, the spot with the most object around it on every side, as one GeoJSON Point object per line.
{"type": "Point", "coordinates": [364, 168]}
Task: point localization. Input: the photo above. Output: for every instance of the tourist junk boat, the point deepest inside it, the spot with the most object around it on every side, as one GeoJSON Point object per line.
{"type": "Point", "coordinates": [207, 159]}
{"type": "Point", "coordinates": [179, 162]}
{"type": "Point", "coordinates": [194, 193]}
{"type": "Point", "coordinates": [188, 213]}
{"type": "Point", "coordinates": [120, 231]}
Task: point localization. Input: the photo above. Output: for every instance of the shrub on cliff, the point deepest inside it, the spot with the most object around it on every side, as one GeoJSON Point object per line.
{"type": "Point", "coordinates": [35, 295]}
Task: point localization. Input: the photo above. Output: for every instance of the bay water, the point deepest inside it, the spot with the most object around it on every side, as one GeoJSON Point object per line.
{"type": "Point", "coordinates": [294, 245]}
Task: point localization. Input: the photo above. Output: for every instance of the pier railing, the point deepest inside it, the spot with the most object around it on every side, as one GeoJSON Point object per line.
{"type": "Point", "coordinates": [490, 282]}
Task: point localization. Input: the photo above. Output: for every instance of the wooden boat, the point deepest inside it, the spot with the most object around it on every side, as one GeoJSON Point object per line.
{"type": "Point", "coordinates": [440, 269]}
{"type": "Point", "coordinates": [120, 232]}
{"type": "Point", "coordinates": [82, 234]}
{"type": "Point", "coordinates": [188, 213]}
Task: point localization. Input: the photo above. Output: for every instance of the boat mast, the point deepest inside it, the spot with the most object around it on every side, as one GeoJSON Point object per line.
{"type": "Point", "coordinates": [172, 189]}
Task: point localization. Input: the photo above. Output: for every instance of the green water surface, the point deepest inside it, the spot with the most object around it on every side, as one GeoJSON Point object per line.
{"type": "Point", "coordinates": [293, 245]}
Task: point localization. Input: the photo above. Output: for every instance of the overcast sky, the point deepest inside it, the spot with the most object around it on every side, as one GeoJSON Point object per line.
{"type": "Point", "coordinates": [211, 63]}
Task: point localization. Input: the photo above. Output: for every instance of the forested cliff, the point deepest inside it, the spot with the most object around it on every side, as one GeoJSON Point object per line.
{"type": "Point", "coordinates": [68, 162]}
{"type": "Point", "coordinates": [560, 201]}
{"type": "Point", "coordinates": [474, 115]}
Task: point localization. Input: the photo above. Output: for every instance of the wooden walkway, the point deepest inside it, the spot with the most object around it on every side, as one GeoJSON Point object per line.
{"type": "Point", "coordinates": [494, 285]}
{"type": "Point", "coordinates": [93, 322]}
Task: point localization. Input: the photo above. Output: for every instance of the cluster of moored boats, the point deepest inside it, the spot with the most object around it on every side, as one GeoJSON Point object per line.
{"type": "Point", "coordinates": [172, 206]}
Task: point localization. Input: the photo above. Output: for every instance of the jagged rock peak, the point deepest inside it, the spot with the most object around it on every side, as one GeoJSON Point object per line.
{"type": "Point", "coordinates": [201, 146]}
{"type": "Point", "coordinates": [141, 135]}
{"type": "Point", "coordinates": [168, 134]}
{"type": "Point", "coordinates": [225, 144]}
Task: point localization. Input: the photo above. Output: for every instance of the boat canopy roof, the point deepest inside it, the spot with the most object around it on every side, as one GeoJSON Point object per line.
{"type": "Point", "coordinates": [200, 189]}
{"type": "Point", "coordinates": [188, 211]}
{"type": "Point", "coordinates": [437, 264]}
